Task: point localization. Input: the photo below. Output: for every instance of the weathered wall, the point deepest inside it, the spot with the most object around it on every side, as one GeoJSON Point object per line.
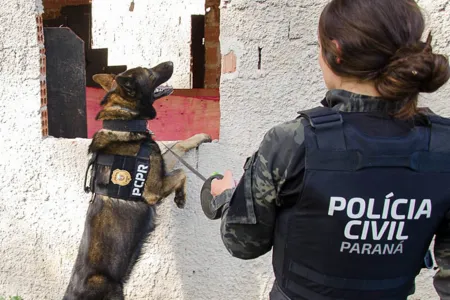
{"type": "Point", "coordinates": [155, 31]}
{"type": "Point", "coordinates": [289, 80]}
{"type": "Point", "coordinates": [42, 206]}
{"type": "Point", "coordinates": [159, 29]}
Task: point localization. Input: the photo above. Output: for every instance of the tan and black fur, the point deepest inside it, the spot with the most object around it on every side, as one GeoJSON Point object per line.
{"type": "Point", "coordinates": [115, 230]}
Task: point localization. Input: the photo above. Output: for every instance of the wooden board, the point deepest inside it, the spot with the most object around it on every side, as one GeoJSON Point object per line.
{"type": "Point", "coordinates": [180, 115]}
{"type": "Point", "coordinates": [66, 83]}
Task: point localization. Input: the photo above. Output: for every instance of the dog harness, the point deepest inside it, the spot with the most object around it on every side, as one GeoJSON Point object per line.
{"type": "Point", "coordinates": [126, 174]}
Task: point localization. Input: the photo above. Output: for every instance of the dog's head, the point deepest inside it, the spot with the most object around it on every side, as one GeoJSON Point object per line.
{"type": "Point", "coordinates": [135, 91]}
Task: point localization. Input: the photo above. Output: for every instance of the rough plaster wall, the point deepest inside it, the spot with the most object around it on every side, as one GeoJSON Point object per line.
{"type": "Point", "coordinates": [155, 31]}
{"type": "Point", "coordinates": [42, 206]}
{"type": "Point", "coordinates": [290, 79]}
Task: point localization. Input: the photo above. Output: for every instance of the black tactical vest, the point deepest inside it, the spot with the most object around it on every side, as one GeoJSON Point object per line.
{"type": "Point", "coordinates": [126, 175]}
{"type": "Point", "coordinates": [367, 212]}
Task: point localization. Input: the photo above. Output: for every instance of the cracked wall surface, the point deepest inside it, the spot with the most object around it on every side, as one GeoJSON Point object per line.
{"type": "Point", "coordinates": [42, 204]}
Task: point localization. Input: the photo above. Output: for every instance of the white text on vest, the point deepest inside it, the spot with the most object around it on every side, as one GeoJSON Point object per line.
{"type": "Point", "coordinates": [365, 223]}
{"type": "Point", "coordinates": [139, 180]}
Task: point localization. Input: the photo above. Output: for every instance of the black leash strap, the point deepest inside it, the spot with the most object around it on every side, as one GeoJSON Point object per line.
{"type": "Point", "coordinates": [186, 164]}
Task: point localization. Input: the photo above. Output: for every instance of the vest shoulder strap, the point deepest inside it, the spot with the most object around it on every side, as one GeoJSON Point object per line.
{"type": "Point", "coordinates": [435, 159]}
{"type": "Point", "coordinates": [327, 125]}
{"type": "Point", "coordinates": [440, 133]}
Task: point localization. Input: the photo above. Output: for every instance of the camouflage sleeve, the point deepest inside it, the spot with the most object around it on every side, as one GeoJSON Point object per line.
{"type": "Point", "coordinates": [248, 216]}
{"type": "Point", "coordinates": [441, 280]}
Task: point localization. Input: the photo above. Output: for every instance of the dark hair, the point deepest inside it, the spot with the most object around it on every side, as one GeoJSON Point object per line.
{"type": "Point", "coordinates": [380, 41]}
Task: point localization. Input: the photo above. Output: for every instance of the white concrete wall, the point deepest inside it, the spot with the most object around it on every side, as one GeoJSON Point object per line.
{"type": "Point", "coordinates": [42, 205]}
{"type": "Point", "coordinates": [155, 31]}
{"type": "Point", "coordinates": [290, 79]}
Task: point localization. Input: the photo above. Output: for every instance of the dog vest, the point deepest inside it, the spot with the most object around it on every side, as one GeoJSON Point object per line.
{"type": "Point", "coordinates": [366, 212]}
{"type": "Point", "coordinates": [127, 174]}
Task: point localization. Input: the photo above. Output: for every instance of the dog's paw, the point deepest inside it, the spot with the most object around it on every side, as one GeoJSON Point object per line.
{"type": "Point", "coordinates": [180, 199]}
{"type": "Point", "coordinates": [204, 138]}
{"type": "Point", "coordinates": [201, 138]}
{"type": "Point", "coordinates": [181, 203]}
{"type": "Point", "coordinates": [194, 141]}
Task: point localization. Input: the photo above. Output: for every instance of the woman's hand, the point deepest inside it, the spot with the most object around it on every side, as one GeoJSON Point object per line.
{"type": "Point", "coordinates": [218, 186]}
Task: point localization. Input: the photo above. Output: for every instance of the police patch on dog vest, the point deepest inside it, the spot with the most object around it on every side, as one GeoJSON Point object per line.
{"type": "Point", "coordinates": [139, 179]}
{"type": "Point", "coordinates": [120, 176]}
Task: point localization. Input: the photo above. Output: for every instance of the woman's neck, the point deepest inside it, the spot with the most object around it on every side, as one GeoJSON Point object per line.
{"type": "Point", "coordinates": [361, 88]}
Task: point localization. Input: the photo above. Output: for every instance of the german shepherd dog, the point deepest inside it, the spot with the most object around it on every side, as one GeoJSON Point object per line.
{"type": "Point", "coordinates": [116, 230]}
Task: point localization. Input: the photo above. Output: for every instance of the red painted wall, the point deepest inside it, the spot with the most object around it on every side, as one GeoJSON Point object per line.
{"type": "Point", "coordinates": [179, 116]}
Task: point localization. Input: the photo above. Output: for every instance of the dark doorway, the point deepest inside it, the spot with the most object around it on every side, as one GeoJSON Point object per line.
{"type": "Point", "coordinates": [71, 64]}
{"type": "Point", "coordinates": [198, 51]}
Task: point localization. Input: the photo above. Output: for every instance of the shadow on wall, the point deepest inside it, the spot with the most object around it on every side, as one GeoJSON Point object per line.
{"type": "Point", "coordinates": [204, 267]}
{"type": "Point", "coordinates": [42, 215]}
{"type": "Point", "coordinates": [185, 257]}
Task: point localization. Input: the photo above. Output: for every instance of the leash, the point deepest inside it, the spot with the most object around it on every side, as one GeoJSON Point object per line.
{"type": "Point", "coordinates": [140, 126]}
{"type": "Point", "coordinates": [212, 210]}
{"type": "Point", "coordinates": [209, 207]}
{"type": "Point", "coordinates": [198, 174]}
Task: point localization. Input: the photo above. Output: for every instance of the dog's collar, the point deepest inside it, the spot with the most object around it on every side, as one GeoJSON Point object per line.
{"type": "Point", "coordinates": [137, 126]}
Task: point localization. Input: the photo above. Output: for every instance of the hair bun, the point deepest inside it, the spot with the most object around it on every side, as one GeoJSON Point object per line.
{"type": "Point", "coordinates": [412, 70]}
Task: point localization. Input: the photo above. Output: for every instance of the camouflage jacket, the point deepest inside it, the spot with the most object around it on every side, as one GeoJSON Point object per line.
{"type": "Point", "coordinates": [250, 209]}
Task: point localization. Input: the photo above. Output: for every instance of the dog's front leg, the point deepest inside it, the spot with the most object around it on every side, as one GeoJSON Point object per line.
{"type": "Point", "coordinates": [182, 147]}
{"type": "Point", "coordinates": [175, 181]}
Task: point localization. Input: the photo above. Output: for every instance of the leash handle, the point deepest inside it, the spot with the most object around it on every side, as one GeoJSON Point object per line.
{"type": "Point", "coordinates": [207, 200]}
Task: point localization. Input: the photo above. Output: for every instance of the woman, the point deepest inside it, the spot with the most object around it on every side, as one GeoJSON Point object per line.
{"type": "Point", "coordinates": [350, 194]}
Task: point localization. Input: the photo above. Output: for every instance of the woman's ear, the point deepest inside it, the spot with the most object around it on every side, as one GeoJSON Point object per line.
{"type": "Point", "coordinates": [339, 51]}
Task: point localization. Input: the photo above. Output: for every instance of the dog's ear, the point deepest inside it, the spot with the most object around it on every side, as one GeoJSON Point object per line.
{"type": "Point", "coordinates": [104, 80]}
{"type": "Point", "coordinates": [128, 83]}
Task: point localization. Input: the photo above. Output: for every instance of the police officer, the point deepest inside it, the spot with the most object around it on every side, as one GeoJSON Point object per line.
{"type": "Point", "coordinates": [351, 193]}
